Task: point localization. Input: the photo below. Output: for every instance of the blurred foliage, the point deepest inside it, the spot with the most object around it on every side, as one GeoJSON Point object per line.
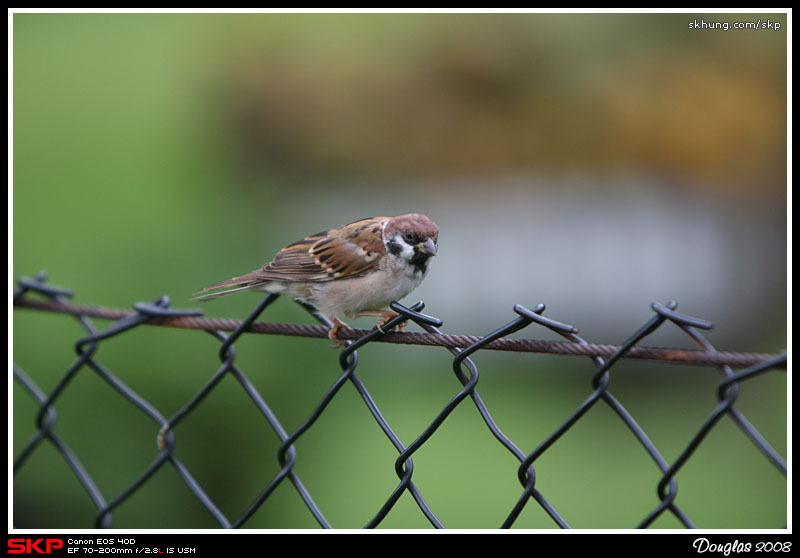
{"type": "Point", "coordinates": [157, 153]}
{"type": "Point", "coordinates": [478, 94]}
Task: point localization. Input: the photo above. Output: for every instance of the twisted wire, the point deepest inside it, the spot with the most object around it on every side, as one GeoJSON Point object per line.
{"type": "Point", "coordinates": [667, 355]}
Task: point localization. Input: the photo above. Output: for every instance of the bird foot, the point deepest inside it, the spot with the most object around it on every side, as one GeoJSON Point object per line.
{"type": "Point", "coordinates": [386, 316]}
{"type": "Point", "coordinates": [337, 324]}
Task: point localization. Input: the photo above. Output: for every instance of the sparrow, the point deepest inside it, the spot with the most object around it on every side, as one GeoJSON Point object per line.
{"type": "Point", "coordinates": [351, 271]}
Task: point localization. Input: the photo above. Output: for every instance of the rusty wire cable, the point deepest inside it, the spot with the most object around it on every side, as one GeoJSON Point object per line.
{"type": "Point", "coordinates": [196, 321]}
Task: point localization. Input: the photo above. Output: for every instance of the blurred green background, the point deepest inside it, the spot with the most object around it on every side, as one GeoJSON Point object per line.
{"type": "Point", "coordinates": [595, 163]}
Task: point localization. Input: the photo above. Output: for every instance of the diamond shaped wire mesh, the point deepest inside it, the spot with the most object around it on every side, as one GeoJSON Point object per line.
{"type": "Point", "coordinates": [736, 370]}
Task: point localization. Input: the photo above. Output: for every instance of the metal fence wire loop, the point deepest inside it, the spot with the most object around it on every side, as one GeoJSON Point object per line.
{"type": "Point", "coordinates": [736, 370]}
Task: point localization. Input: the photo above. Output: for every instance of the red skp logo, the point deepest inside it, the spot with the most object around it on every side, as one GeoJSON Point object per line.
{"type": "Point", "coordinates": [29, 546]}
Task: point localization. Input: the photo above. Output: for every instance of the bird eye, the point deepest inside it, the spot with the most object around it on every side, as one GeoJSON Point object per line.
{"type": "Point", "coordinates": [409, 236]}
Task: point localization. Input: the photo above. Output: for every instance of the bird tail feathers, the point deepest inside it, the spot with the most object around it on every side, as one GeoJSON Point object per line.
{"type": "Point", "coordinates": [235, 285]}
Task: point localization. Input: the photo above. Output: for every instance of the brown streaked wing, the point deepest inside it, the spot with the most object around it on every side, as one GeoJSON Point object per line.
{"type": "Point", "coordinates": [346, 251]}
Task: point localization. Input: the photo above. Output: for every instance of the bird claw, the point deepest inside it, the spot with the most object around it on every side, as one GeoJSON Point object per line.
{"type": "Point", "coordinates": [337, 343]}
{"type": "Point", "coordinates": [387, 317]}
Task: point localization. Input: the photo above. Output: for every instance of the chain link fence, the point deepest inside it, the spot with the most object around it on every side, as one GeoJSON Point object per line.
{"type": "Point", "coordinates": [736, 370]}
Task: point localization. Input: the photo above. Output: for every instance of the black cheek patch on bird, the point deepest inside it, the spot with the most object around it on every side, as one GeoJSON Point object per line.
{"type": "Point", "coordinates": [394, 248]}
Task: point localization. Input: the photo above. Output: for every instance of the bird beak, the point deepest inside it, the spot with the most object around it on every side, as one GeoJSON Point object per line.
{"type": "Point", "coordinates": [427, 247]}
